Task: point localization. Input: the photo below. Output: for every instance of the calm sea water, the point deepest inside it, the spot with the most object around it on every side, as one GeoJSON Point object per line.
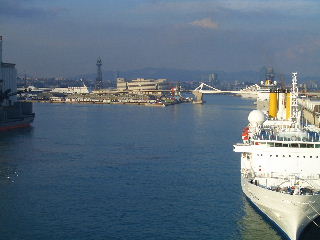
{"type": "Point", "coordinates": [128, 172]}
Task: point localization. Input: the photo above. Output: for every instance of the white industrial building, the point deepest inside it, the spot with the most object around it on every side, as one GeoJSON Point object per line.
{"type": "Point", "coordinates": [8, 78]}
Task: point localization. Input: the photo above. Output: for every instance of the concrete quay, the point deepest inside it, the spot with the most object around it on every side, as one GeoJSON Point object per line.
{"type": "Point", "coordinates": [124, 98]}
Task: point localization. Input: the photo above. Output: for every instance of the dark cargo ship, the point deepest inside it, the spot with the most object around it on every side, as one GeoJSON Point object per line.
{"type": "Point", "coordinates": [17, 115]}
{"type": "Point", "coordinates": [13, 113]}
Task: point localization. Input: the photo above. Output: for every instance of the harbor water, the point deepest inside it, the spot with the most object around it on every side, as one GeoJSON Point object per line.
{"type": "Point", "coordinates": [128, 172]}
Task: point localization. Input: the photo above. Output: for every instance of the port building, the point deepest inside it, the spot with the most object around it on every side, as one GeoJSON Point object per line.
{"type": "Point", "coordinates": [141, 84]}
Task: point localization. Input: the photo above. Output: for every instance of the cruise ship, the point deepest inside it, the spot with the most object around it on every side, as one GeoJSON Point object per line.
{"type": "Point", "coordinates": [280, 163]}
{"type": "Point", "coordinates": [250, 91]}
{"type": "Point", "coordinates": [72, 90]}
{"type": "Point", "coordinates": [260, 91]}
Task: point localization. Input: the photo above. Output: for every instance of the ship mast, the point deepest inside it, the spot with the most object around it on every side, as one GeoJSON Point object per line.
{"type": "Point", "coordinates": [294, 99]}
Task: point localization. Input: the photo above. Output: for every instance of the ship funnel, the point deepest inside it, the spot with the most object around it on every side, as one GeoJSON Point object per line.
{"type": "Point", "coordinates": [273, 104]}
{"type": "Point", "coordinates": [281, 104]}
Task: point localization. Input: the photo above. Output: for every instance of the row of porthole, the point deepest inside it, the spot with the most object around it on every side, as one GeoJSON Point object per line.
{"type": "Point", "coordinates": [288, 156]}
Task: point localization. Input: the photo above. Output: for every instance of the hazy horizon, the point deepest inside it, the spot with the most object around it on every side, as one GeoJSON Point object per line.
{"type": "Point", "coordinates": [65, 38]}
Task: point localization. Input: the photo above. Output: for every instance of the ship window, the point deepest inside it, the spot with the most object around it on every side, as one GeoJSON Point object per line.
{"type": "Point", "coordinates": [270, 155]}
{"type": "Point", "coordinates": [317, 145]}
{"type": "Point", "coordinates": [316, 156]}
{"type": "Point", "coordinates": [285, 145]}
{"type": "Point", "coordinates": [289, 155]}
{"type": "Point", "coordinates": [295, 145]}
{"type": "Point", "coordinates": [310, 156]}
{"type": "Point", "coordinates": [302, 145]}
{"type": "Point", "coordinates": [276, 155]}
{"type": "Point", "coordinates": [297, 156]}
{"type": "Point", "coordinates": [304, 156]}
{"type": "Point", "coordinates": [271, 144]}
{"type": "Point", "coordinates": [310, 145]}
{"type": "Point", "coordinates": [278, 145]}
{"type": "Point", "coordinates": [283, 155]}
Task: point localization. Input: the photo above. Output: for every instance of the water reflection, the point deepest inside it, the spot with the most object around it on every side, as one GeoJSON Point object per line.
{"type": "Point", "coordinates": [254, 227]}
{"type": "Point", "coordinates": [9, 143]}
{"type": "Point", "coordinates": [8, 173]}
{"type": "Point", "coordinates": [6, 136]}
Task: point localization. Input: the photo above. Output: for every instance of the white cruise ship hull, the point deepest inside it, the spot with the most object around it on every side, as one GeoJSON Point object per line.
{"type": "Point", "coordinates": [291, 213]}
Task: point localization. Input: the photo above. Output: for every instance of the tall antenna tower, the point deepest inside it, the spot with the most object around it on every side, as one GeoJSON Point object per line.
{"type": "Point", "coordinates": [98, 84]}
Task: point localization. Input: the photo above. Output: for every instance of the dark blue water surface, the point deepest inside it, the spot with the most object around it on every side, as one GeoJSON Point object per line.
{"type": "Point", "coordinates": [128, 172]}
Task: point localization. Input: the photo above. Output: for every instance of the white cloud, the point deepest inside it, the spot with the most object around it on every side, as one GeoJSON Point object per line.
{"type": "Point", "coordinates": [288, 7]}
{"type": "Point", "coordinates": [205, 23]}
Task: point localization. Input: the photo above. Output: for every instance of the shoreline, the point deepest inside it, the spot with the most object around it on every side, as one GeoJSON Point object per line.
{"type": "Point", "coordinates": [148, 104]}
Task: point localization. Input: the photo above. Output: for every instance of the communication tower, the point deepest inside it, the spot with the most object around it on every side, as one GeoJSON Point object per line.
{"type": "Point", "coordinates": [98, 84]}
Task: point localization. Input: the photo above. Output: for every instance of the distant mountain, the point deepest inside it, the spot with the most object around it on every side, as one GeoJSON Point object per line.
{"type": "Point", "coordinates": [191, 75]}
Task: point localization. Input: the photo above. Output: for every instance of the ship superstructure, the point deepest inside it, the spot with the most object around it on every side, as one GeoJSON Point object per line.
{"type": "Point", "coordinates": [280, 163]}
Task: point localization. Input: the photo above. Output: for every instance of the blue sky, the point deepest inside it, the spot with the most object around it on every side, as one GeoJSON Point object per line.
{"type": "Point", "coordinates": [64, 38]}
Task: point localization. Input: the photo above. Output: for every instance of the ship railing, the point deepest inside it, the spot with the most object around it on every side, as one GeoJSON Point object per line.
{"type": "Point", "coordinates": [295, 144]}
{"type": "Point", "coordinates": [290, 190]}
{"type": "Point", "coordinates": [273, 137]}
{"type": "Point", "coordinates": [277, 175]}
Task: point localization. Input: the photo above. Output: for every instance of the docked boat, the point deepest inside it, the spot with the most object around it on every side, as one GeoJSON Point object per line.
{"type": "Point", "coordinates": [280, 167]}
{"type": "Point", "coordinates": [249, 92]}
{"type": "Point", "coordinates": [13, 113]}
{"type": "Point", "coordinates": [17, 115]}
{"type": "Point", "coordinates": [260, 91]}
{"type": "Point", "coordinates": [264, 89]}
{"type": "Point", "coordinates": [72, 90]}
